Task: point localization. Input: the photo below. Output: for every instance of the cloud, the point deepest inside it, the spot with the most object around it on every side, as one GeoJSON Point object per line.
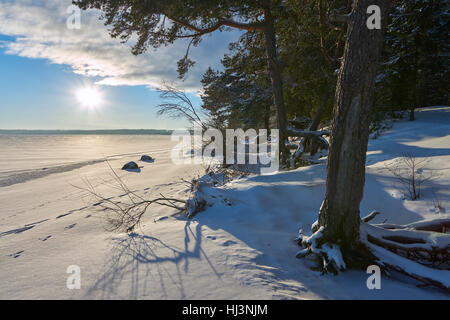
{"type": "Point", "coordinates": [40, 31]}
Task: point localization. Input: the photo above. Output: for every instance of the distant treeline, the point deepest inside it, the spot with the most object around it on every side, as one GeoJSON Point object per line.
{"type": "Point", "coordinates": [94, 132]}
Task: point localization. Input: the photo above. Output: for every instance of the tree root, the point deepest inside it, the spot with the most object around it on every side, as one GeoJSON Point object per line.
{"type": "Point", "coordinates": [329, 254]}
{"type": "Point", "coordinates": [420, 250]}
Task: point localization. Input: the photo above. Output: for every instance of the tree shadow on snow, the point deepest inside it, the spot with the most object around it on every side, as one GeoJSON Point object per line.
{"type": "Point", "coordinates": [268, 221]}
{"type": "Point", "coordinates": [265, 219]}
{"type": "Point", "coordinates": [144, 265]}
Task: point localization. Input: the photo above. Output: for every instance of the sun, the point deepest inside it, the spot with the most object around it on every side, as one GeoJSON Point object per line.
{"type": "Point", "coordinates": [89, 97]}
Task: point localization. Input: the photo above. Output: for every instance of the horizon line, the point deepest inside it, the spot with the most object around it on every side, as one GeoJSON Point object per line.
{"type": "Point", "coordinates": [86, 131]}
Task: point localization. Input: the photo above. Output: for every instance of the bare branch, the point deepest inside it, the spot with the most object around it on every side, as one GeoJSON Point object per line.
{"type": "Point", "coordinates": [178, 105]}
{"type": "Point", "coordinates": [411, 173]}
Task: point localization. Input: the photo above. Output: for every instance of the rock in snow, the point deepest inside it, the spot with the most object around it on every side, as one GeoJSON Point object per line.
{"type": "Point", "coordinates": [147, 158]}
{"type": "Point", "coordinates": [130, 166]}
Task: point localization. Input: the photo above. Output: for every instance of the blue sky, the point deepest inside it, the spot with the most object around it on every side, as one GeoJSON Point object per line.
{"type": "Point", "coordinates": [43, 64]}
{"type": "Point", "coordinates": [36, 94]}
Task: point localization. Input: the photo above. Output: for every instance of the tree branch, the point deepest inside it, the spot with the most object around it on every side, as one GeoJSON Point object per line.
{"type": "Point", "coordinates": [258, 26]}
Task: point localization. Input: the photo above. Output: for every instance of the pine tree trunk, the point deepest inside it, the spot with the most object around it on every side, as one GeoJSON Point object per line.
{"type": "Point", "coordinates": [312, 144]}
{"type": "Point", "coordinates": [411, 114]}
{"type": "Point", "coordinates": [339, 213]}
{"type": "Point", "coordinates": [275, 76]}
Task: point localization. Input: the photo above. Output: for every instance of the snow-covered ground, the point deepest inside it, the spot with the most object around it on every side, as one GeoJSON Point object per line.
{"type": "Point", "coordinates": [241, 247]}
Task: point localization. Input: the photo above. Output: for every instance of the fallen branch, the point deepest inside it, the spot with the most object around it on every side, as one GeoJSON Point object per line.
{"type": "Point", "coordinates": [126, 216]}
{"type": "Point", "coordinates": [306, 133]}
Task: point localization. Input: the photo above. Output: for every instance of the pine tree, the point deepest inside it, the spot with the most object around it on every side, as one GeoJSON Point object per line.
{"type": "Point", "coordinates": [416, 65]}
{"type": "Point", "coordinates": [309, 52]}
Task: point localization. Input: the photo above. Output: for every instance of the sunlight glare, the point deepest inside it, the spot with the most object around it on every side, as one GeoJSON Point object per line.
{"type": "Point", "coordinates": [90, 97]}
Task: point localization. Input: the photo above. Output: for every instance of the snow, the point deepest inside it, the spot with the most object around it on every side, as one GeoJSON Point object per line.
{"type": "Point", "coordinates": [241, 247]}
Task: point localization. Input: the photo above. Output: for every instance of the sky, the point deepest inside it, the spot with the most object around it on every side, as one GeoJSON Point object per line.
{"type": "Point", "coordinates": [44, 65]}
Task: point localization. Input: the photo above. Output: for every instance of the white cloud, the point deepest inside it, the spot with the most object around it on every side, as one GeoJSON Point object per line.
{"type": "Point", "coordinates": [40, 31]}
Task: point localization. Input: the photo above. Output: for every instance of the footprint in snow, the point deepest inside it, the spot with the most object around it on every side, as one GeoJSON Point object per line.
{"type": "Point", "coordinates": [70, 227]}
{"type": "Point", "coordinates": [64, 215]}
{"type": "Point", "coordinates": [18, 230]}
{"type": "Point", "coordinates": [211, 237]}
{"type": "Point", "coordinates": [46, 238]}
{"type": "Point", "coordinates": [16, 255]}
{"type": "Point", "coordinates": [228, 243]}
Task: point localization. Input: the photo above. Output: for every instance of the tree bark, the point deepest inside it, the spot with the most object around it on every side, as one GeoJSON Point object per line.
{"type": "Point", "coordinates": [277, 83]}
{"type": "Point", "coordinates": [411, 114]}
{"type": "Point", "coordinates": [339, 213]}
